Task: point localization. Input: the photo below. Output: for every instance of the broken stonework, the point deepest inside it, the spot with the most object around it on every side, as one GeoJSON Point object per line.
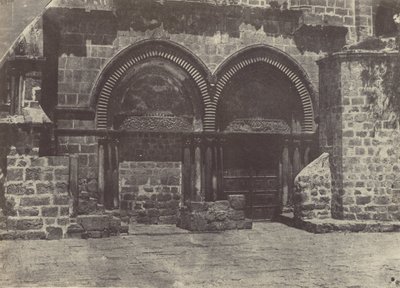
{"type": "Point", "coordinates": [215, 216]}
{"type": "Point", "coordinates": [96, 226]}
{"type": "Point", "coordinates": [312, 194]}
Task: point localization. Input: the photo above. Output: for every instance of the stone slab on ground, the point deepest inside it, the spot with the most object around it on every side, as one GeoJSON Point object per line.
{"type": "Point", "coordinates": [152, 230]}
{"type": "Point", "coordinates": [270, 255]}
{"type": "Point", "coordinates": [96, 226]}
{"type": "Point", "coordinates": [334, 225]}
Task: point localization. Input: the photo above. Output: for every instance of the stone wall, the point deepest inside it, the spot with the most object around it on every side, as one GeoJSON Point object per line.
{"type": "Point", "coordinates": [215, 216]}
{"type": "Point", "coordinates": [36, 191]}
{"type": "Point", "coordinates": [15, 17]}
{"type": "Point", "coordinates": [76, 75]}
{"type": "Point", "coordinates": [330, 128]}
{"type": "Point", "coordinates": [328, 12]}
{"type": "Point", "coordinates": [355, 15]}
{"type": "Point", "coordinates": [88, 40]}
{"type": "Point", "coordinates": [23, 136]}
{"type": "Point", "coordinates": [150, 192]}
{"type": "Point", "coordinates": [86, 148]}
{"type": "Point", "coordinates": [365, 101]}
{"type": "Point", "coordinates": [312, 190]}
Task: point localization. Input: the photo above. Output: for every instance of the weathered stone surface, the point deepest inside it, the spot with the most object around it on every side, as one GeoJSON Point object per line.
{"type": "Point", "coordinates": [92, 186]}
{"type": "Point", "coordinates": [45, 188]}
{"type": "Point", "coordinates": [28, 235]}
{"type": "Point", "coordinates": [95, 234]}
{"type": "Point", "coordinates": [14, 223]}
{"type": "Point", "coordinates": [61, 200]}
{"type": "Point", "coordinates": [7, 235]}
{"type": "Point", "coordinates": [49, 221]}
{"type": "Point", "coordinates": [33, 174]}
{"type": "Point", "coordinates": [63, 221]}
{"type": "Point", "coordinates": [245, 224]}
{"type": "Point", "coordinates": [28, 211]}
{"type": "Point", "coordinates": [35, 201]}
{"type": "Point", "coordinates": [150, 190]}
{"type": "Point", "coordinates": [61, 187]}
{"type": "Point", "coordinates": [170, 219]}
{"type": "Point", "coordinates": [14, 174]}
{"type": "Point", "coordinates": [54, 233]}
{"type": "Point", "coordinates": [19, 189]}
{"type": "Point", "coordinates": [198, 206]}
{"type": "Point", "coordinates": [31, 199]}
{"type": "Point", "coordinates": [222, 205]}
{"type": "Point", "coordinates": [362, 135]}
{"type": "Point", "coordinates": [308, 184]}
{"type": "Point", "coordinates": [75, 230]}
{"type": "Point", "coordinates": [115, 225]}
{"type": "Point", "coordinates": [212, 216]}
{"type": "Point", "coordinates": [93, 222]}
{"type": "Point", "coordinates": [236, 215]}
{"type": "Point", "coordinates": [334, 225]}
{"type": "Point", "coordinates": [237, 202]}
{"type": "Point", "coordinates": [49, 211]}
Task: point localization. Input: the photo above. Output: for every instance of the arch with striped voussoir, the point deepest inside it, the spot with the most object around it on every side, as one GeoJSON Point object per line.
{"type": "Point", "coordinates": [277, 59]}
{"type": "Point", "coordinates": [125, 60]}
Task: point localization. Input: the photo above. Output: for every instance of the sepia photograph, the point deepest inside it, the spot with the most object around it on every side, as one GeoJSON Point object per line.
{"type": "Point", "coordinates": [200, 143]}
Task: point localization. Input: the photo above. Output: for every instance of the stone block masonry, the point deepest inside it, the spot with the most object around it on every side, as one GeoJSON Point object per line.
{"type": "Point", "coordinates": [86, 147]}
{"type": "Point", "coordinates": [215, 216]}
{"type": "Point", "coordinates": [312, 195]}
{"type": "Point", "coordinates": [331, 12]}
{"type": "Point", "coordinates": [37, 195]}
{"type": "Point", "coordinates": [364, 105]}
{"type": "Point", "coordinates": [89, 39]}
{"type": "Point", "coordinates": [150, 192]}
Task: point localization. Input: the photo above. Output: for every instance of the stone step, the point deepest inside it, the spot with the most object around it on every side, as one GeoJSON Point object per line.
{"type": "Point", "coordinates": [152, 230]}
{"type": "Point", "coordinates": [88, 206]}
{"type": "Point", "coordinates": [285, 218]}
{"type": "Point", "coordinates": [96, 226]}
{"type": "Point", "coordinates": [22, 235]}
{"type": "Point", "coordinates": [330, 225]}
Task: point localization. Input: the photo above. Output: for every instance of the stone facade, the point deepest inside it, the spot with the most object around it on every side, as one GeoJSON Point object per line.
{"type": "Point", "coordinates": [88, 44]}
{"type": "Point", "coordinates": [360, 103]}
{"type": "Point", "coordinates": [150, 192]}
{"type": "Point", "coordinates": [312, 198]}
{"type": "Point", "coordinates": [36, 192]}
{"type": "Point", "coordinates": [355, 15]}
{"type": "Point", "coordinates": [137, 91]}
{"type": "Point", "coordinates": [86, 148]}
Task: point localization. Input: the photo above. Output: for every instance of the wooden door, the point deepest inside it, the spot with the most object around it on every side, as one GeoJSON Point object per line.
{"type": "Point", "coordinates": [251, 168]}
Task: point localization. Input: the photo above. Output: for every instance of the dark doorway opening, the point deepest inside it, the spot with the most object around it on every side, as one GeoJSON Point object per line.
{"type": "Point", "coordinates": [251, 168]}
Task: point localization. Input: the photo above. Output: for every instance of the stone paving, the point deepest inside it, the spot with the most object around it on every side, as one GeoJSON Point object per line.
{"type": "Point", "coordinates": [270, 255]}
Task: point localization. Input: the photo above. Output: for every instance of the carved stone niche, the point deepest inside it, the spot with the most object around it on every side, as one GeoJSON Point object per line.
{"type": "Point", "coordinates": [162, 121]}
{"type": "Point", "coordinates": [270, 126]}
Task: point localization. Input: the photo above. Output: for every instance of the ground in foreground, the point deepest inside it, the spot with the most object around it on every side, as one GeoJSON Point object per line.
{"type": "Point", "coordinates": [270, 255]}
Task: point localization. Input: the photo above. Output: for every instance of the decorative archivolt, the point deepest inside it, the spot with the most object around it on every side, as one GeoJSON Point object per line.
{"type": "Point", "coordinates": [199, 74]}
{"type": "Point", "coordinates": [308, 121]}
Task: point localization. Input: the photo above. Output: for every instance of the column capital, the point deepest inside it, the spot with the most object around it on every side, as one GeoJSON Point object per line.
{"type": "Point", "coordinates": [187, 141]}
{"type": "Point", "coordinates": [197, 140]}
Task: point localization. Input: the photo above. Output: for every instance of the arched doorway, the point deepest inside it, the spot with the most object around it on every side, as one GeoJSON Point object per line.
{"type": "Point", "coordinates": [266, 115]}
{"type": "Point", "coordinates": [148, 98]}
